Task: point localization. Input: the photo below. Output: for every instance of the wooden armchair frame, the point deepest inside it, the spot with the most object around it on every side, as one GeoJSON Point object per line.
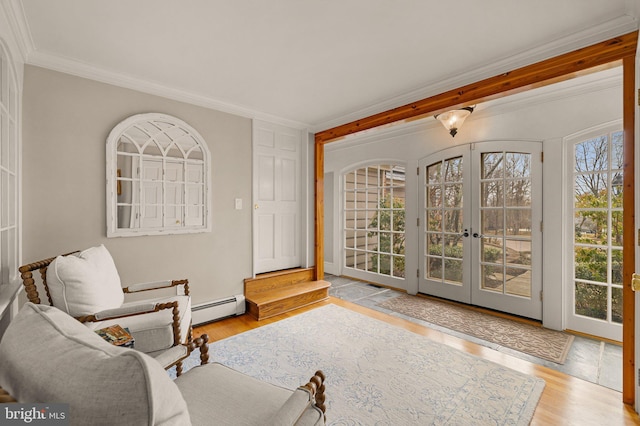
{"type": "Point", "coordinates": [26, 273]}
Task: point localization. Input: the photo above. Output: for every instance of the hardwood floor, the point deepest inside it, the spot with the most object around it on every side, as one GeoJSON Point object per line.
{"type": "Point", "coordinates": [566, 400]}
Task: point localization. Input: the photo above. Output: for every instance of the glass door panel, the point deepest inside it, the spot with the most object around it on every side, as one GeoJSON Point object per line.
{"type": "Point", "coordinates": [444, 245]}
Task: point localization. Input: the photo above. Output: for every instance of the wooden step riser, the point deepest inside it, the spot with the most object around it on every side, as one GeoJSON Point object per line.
{"type": "Point", "coordinates": [273, 281]}
{"type": "Point", "coordinates": [285, 305]}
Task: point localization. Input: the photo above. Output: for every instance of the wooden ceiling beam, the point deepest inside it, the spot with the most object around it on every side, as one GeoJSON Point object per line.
{"type": "Point", "coordinates": [559, 67]}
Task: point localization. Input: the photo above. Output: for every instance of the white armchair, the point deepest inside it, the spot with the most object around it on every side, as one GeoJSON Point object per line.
{"type": "Point", "coordinates": [106, 385]}
{"type": "Point", "coordinates": [86, 285]}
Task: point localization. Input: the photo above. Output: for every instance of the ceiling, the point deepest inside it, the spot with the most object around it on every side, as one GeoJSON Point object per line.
{"type": "Point", "coordinates": [313, 63]}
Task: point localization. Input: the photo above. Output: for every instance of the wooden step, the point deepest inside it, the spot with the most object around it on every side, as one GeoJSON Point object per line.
{"type": "Point", "coordinates": [272, 294]}
{"type": "Point", "coordinates": [281, 300]}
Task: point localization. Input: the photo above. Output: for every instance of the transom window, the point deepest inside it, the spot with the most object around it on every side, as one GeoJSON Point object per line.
{"type": "Point", "coordinates": [374, 219]}
{"type": "Point", "coordinates": [157, 177]}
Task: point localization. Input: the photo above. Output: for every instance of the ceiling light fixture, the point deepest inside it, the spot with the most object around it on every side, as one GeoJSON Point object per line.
{"type": "Point", "coordinates": [452, 120]}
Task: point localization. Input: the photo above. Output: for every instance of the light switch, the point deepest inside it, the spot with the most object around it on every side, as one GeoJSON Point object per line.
{"type": "Point", "coordinates": [635, 282]}
{"type": "Point", "coordinates": [238, 203]}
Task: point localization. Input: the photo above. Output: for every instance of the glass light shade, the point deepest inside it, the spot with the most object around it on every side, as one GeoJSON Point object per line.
{"type": "Point", "coordinates": [452, 120]}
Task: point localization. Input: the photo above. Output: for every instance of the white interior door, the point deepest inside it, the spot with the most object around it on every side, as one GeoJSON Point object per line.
{"type": "Point", "coordinates": [276, 196]}
{"type": "Point", "coordinates": [481, 225]}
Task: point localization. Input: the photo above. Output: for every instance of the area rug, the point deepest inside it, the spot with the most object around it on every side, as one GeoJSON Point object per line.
{"type": "Point", "coordinates": [536, 341]}
{"type": "Point", "coordinates": [379, 374]}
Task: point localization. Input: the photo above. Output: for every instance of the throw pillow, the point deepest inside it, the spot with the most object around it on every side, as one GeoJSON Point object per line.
{"type": "Point", "coordinates": [85, 283]}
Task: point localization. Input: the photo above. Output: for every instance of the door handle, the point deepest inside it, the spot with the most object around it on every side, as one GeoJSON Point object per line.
{"type": "Point", "coordinates": [476, 235]}
{"type": "Point", "coordinates": [465, 233]}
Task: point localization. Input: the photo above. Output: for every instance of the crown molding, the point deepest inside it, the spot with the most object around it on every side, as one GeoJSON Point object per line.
{"type": "Point", "coordinates": [84, 70]}
{"type": "Point", "coordinates": [613, 28]}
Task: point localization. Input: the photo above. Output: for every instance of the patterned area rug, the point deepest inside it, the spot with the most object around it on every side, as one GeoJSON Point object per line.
{"type": "Point", "coordinates": [379, 374]}
{"type": "Point", "coordinates": [537, 341]}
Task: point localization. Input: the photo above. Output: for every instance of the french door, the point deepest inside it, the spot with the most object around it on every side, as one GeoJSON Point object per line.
{"type": "Point", "coordinates": [480, 226]}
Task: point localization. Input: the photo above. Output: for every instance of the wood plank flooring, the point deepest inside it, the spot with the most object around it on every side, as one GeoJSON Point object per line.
{"type": "Point", "coordinates": [566, 400]}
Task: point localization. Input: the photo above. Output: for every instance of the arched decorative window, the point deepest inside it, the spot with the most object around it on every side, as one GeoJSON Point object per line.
{"type": "Point", "coordinates": [158, 170]}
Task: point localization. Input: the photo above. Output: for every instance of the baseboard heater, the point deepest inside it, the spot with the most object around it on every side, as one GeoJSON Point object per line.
{"type": "Point", "coordinates": [217, 309]}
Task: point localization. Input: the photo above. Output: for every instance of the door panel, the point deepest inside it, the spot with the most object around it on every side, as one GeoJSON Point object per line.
{"type": "Point", "coordinates": [481, 239]}
{"type": "Point", "coordinates": [507, 221]}
{"type": "Point", "coordinates": [277, 200]}
{"type": "Point", "coordinates": [444, 243]}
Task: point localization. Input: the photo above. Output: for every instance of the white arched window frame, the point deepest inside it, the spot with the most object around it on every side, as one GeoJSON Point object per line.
{"type": "Point", "coordinates": [9, 170]}
{"type": "Point", "coordinates": [158, 178]}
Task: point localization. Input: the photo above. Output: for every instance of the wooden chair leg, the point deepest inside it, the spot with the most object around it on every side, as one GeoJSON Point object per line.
{"type": "Point", "coordinates": [202, 342]}
{"type": "Point", "coordinates": [179, 368]}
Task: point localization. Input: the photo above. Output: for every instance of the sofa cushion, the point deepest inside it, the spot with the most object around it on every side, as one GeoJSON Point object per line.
{"type": "Point", "coordinates": [85, 283]}
{"type": "Point", "coordinates": [47, 356]}
{"type": "Point", "coordinates": [153, 331]}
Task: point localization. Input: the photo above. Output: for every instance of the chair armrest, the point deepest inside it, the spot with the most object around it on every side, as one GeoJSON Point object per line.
{"type": "Point", "coordinates": [131, 310]}
{"type": "Point", "coordinates": [156, 285]}
{"type": "Point", "coordinates": [308, 397]}
{"type": "Point", "coordinates": [172, 356]}
{"type": "Point", "coordinates": [293, 408]}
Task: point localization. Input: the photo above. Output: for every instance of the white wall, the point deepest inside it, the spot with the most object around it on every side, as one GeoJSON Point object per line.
{"type": "Point", "coordinates": [545, 118]}
{"type": "Point", "coordinates": [66, 120]}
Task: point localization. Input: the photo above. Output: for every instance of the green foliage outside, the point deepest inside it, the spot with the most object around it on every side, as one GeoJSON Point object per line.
{"type": "Point", "coordinates": [392, 243]}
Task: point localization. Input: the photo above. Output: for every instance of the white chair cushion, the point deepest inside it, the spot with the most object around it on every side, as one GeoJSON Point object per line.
{"type": "Point", "coordinates": [153, 332]}
{"type": "Point", "coordinates": [47, 356]}
{"type": "Point", "coordinates": [85, 283]}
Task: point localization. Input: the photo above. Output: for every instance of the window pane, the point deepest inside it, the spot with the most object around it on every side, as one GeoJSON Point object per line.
{"type": "Point", "coordinates": [492, 221]}
{"type": "Point", "coordinates": [591, 264]}
{"type": "Point", "coordinates": [518, 193]}
{"type": "Point", "coordinates": [434, 173]}
{"type": "Point", "coordinates": [492, 278]}
{"type": "Point", "coordinates": [434, 220]}
{"type": "Point", "coordinates": [592, 154]}
{"type": "Point", "coordinates": [453, 246]}
{"type": "Point", "coordinates": [453, 195]}
{"type": "Point", "coordinates": [517, 165]}
{"type": "Point", "coordinates": [453, 170]}
{"type": "Point", "coordinates": [518, 282]}
{"type": "Point", "coordinates": [518, 252]}
{"type": "Point", "coordinates": [453, 271]}
{"type": "Point", "coordinates": [518, 222]}
{"type": "Point", "coordinates": [492, 165]}
{"type": "Point", "coordinates": [591, 300]}
{"type": "Point", "coordinates": [590, 227]}
{"type": "Point", "coordinates": [492, 194]}
{"type": "Point", "coordinates": [434, 196]}
{"type": "Point", "coordinates": [492, 250]}
{"type": "Point", "coordinates": [434, 267]}
{"type": "Point", "coordinates": [453, 220]}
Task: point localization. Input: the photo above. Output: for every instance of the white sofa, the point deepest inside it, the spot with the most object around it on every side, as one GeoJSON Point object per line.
{"type": "Point", "coordinates": [47, 356]}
